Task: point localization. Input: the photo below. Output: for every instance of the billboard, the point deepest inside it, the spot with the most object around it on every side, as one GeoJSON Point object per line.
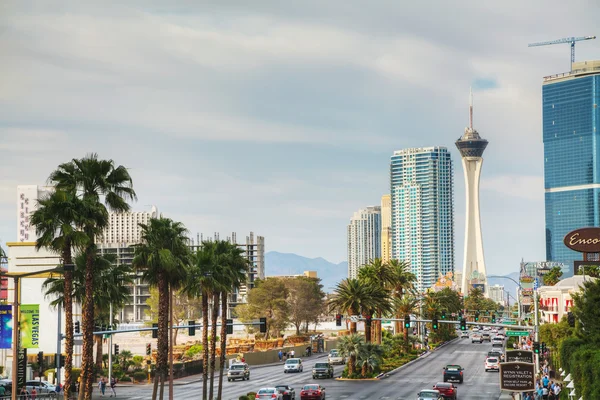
{"type": "Point", "coordinates": [5, 326]}
{"type": "Point", "coordinates": [30, 326]}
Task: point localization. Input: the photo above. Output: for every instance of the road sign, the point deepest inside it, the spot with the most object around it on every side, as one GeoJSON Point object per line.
{"type": "Point", "coordinates": [509, 322]}
{"type": "Point", "coordinates": [517, 376]}
{"type": "Point", "coordinates": [354, 318]}
{"type": "Point", "coordinates": [517, 333]}
{"type": "Point", "coordinates": [536, 284]}
{"type": "Point", "coordinates": [523, 356]}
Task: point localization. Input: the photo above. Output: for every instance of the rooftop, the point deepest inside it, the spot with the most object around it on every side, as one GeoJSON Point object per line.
{"type": "Point", "coordinates": [578, 69]}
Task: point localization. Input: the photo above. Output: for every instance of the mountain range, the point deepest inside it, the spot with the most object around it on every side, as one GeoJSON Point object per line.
{"type": "Point", "coordinates": [331, 274]}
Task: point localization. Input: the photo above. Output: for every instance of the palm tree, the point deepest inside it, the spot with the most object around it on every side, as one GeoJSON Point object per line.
{"type": "Point", "coordinates": [369, 357]}
{"type": "Point", "coordinates": [378, 275]}
{"type": "Point", "coordinates": [57, 221]}
{"type": "Point", "coordinates": [406, 305]}
{"type": "Point", "coordinates": [163, 257]}
{"type": "Point", "coordinates": [91, 179]}
{"type": "Point", "coordinates": [236, 268]}
{"type": "Point", "coordinates": [350, 296]}
{"type": "Point", "coordinates": [402, 280]}
{"type": "Point", "coordinates": [350, 347]}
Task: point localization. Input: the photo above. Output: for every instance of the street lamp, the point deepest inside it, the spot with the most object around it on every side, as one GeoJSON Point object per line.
{"type": "Point", "coordinates": [17, 315]}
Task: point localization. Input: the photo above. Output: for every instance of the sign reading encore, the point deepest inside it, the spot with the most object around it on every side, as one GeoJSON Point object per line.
{"type": "Point", "coordinates": [584, 240]}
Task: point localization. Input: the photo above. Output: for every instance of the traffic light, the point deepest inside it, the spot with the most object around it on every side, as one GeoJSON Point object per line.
{"type": "Point", "coordinates": [40, 359]}
{"type": "Point", "coordinates": [407, 321]}
{"type": "Point", "coordinates": [62, 360]}
{"type": "Point", "coordinates": [368, 320]}
{"type": "Point", "coordinates": [536, 347]}
{"type": "Point", "coordinates": [192, 328]}
{"type": "Point", "coordinates": [543, 347]}
{"type": "Point", "coordinates": [229, 326]}
{"type": "Point", "coordinates": [571, 319]}
{"type": "Point", "coordinates": [148, 349]}
{"type": "Point", "coordinates": [443, 314]}
{"type": "Point", "coordinates": [154, 331]}
{"type": "Point", "coordinates": [493, 318]}
{"type": "Point", "coordinates": [463, 324]}
{"type": "Point", "coordinates": [263, 325]}
{"type": "Point", "coordinates": [116, 349]}
{"type": "Point", "coordinates": [434, 324]}
{"type": "Point", "coordinates": [77, 327]}
{"type": "Point", "coordinates": [338, 319]}
{"type": "Point", "coordinates": [476, 316]}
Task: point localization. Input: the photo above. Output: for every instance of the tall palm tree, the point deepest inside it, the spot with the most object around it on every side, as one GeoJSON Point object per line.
{"type": "Point", "coordinates": [350, 346]}
{"type": "Point", "coordinates": [236, 268]}
{"type": "Point", "coordinates": [350, 296]}
{"type": "Point", "coordinates": [403, 280]}
{"type": "Point", "coordinates": [369, 357]}
{"type": "Point", "coordinates": [406, 305]}
{"type": "Point", "coordinates": [201, 283]}
{"type": "Point", "coordinates": [163, 257]}
{"type": "Point", "coordinates": [93, 180]}
{"type": "Point", "coordinates": [57, 221]}
{"type": "Point", "coordinates": [378, 275]}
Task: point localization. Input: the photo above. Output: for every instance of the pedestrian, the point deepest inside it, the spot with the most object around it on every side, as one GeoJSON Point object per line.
{"type": "Point", "coordinates": [292, 353]}
{"type": "Point", "coordinates": [33, 394]}
{"type": "Point", "coordinates": [280, 354]}
{"type": "Point", "coordinates": [23, 394]}
{"type": "Point", "coordinates": [103, 386]}
{"type": "Point", "coordinates": [113, 383]}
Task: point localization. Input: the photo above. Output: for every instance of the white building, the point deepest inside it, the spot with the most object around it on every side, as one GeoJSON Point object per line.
{"type": "Point", "coordinates": [556, 301]}
{"type": "Point", "coordinates": [497, 294]}
{"type": "Point", "coordinates": [471, 147]}
{"type": "Point", "coordinates": [364, 238]}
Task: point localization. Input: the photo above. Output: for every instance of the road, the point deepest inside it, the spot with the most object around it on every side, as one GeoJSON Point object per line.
{"type": "Point", "coordinates": [404, 384]}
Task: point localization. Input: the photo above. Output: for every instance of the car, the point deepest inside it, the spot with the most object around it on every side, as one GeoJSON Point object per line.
{"type": "Point", "coordinates": [287, 392]}
{"type": "Point", "coordinates": [486, 328]}
{"type": "Point", "coordinates": [475, 329]}
{"type": "Point", "coordinates": [429, 394]}
{"type": "Point", "coordinates": [486, 336]}
{"type": "Point", "coordinates": [293, 365]}
{"type": "Point", "coordinates": [322, 370]}
{"type": "Point", "coordinates": [447, 390]}
{"type": "Point", "coordinates": [496, 354]}
{"type": "Point", "coordinates": [497, 346]}
{"type": "Point", "coordinates": [7, 383]}
{"type": "Point", "coordinates": [453, 372]}
{"type": "Point", "coordinates": [312, 392]}
{"type": "Point", "coordinates": [41, 387]}
{"type": "Point", "coordinates": [496, 340]}
{"type": "Point", "coordinates": [464, 335]}
{"type": "Point", "coordinates": [335, 357]}
{"type": "Point", "coordinates": [492, 364]}
{"type": "Point", "coordinates": [238, 371]}
{"type": "Point", "coordinates": [268, 393]}
{"type": "Point", "coordinates": [500, 336]}
{"type": "Point", "coordinates": [476, 337]}
{"type": "Point", "coordinates": [494, 330]}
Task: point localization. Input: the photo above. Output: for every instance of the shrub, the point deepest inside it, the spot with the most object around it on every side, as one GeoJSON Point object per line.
{"type": "Point", "coordinates": [193, 350]}
{"type": "Point", "coordinates": [139, 376]}
{"type": "Point", "coordinates": [125, 379]}
{"type": "Point", "coordinates": [244, 397]}
{"type": "Point", "coordinates": [251, 395]}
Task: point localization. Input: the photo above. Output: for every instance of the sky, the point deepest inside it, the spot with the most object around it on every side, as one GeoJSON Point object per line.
{"type": "Point", "coordinates": [280, 117]}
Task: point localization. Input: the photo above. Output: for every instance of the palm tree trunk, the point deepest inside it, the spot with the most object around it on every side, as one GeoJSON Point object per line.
{"type": "Point", "coordinates": [367, 332]}
{"type": "Point", "coordinates": [351, 363]}
{"type": "Point", "coordinates": [163, 332]}
{"type": "Point", "coordinates": [87, 367]}
{"type": "Point", "coordinates": [213, 343]}
{"type": "Point", "coordinates": [68, 304]}
{"type": "Point", "coordinates": [205, 353]}
{"type": "Point", "coordinates": [98, 339]}
{"type": "Point", "coordinates": [222, 358]}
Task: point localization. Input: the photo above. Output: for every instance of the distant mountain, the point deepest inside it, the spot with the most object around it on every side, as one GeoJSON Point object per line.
{"type": "Point", "coordinates": [292, 264]}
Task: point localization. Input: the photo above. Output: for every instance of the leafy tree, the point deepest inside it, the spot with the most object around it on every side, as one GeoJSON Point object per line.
{"type": "Point", "coordinates": [125, 359]}
{"type": "Point", "coordinates": [91, 180]}
{"type": "Point", "coordinates": [267, 299]}
{"type": "Point", "coordinates": [552, 277]}
{"type": "Point", "coordinates": [587, 312]}
{"type": "Point", "coordinates": [475, 300]}
{"type": "Point", "coordinates": [163, 257]}
{"type": "Point", "coordinates": [590, 270]}
{"type": "Point", "coordinates": [185, 308]}
{"type": "Point", "coordinates": [305, 300]}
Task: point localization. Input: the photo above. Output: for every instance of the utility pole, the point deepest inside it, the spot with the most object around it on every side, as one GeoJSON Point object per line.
{"type": "Point", "coordinates": [110, 344]}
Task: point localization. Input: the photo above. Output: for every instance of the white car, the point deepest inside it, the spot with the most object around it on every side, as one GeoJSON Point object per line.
{"type": "Point", "coordinates": [476, 337]}
{"type": "Point", "coordinates": [500, 336]}
{"type": "Point", "coordinates": [464, 335]}
{"type": "Point", "coordinates": [293, 365]}
{"type": "Point", "coordinates": [429, 394]}
{"type": "Point", "coordinates": [268, 393]}
{"type": "Point", "coordinates": [41, 387]}
{"type": "Point", "coordinates": [497, 340]}
{"type": "Point", "coordinates": [492, 364]}
{"type": "Point", "coordinates": [335, 358]}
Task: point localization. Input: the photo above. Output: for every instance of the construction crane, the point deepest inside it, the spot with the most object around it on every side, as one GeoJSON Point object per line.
{"type": "Point", "coordinates": [571, 40]}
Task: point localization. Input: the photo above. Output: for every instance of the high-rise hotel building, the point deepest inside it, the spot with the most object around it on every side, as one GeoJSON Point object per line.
{"type": "Point", "coordinates": [386, 228]}
{"type": "Point", "coordinates": [423, 212]}
{"type": "Point", "coordinates": [364, 238]}
{"type": "Point", "coordinates": [571, 134]}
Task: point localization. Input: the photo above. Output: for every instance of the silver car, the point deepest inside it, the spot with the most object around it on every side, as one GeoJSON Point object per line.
{"type": "Point", "coordinates": [293, 365]}
{"type": "Point", "coordinates": [41, 388]}
{"type": "Point", "coordinates": [336, 358]}
{"type": "Point", "coordinates": [429, 394]}
{"type": "Point", "coordinates": [269, 393]}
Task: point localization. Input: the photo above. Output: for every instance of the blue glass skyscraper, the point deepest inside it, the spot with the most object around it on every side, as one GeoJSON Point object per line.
{"type": "Point", "coordinates": [571, 134]}
{"type": "Point", "coordinates": [423, 212]}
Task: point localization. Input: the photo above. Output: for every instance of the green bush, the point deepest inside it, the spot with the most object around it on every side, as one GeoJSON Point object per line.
{"type": "Point", "coordinates": [125, 379]}
{"type": "Point", "coordinates": [251, 395]}
{"type": "Point", "coordinates": [193, 351]}
{"type": "Point", "coordinates": [75, 372]}
{"type": "Point", "coordinates": [244, 397]}
{"type": "Point", "coordinates": [140, 376]}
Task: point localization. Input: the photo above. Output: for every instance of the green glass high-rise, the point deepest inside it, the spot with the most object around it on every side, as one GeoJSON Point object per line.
{"type": "Point", "coordinates": [571, 135]}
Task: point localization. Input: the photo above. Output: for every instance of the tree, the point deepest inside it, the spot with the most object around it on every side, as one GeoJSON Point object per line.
{"type": "Point", "coordinates": [163, 256]}
{"type": "Point", "coordinates": [350, 347]}
{"type": "Point", "coordinates": [58, 221]}
{"type": "Point", "coordinates": [268, 299]}
{"type": "Point", "coordinates": [91, 179]}
{"type": "Point", "coordinates": [587, 312]}
{"type": "Point", "coordinates": [589, 270]}
{"type": "Point", "coordinates": [406, 305]}
{"type": "Point", "coordinates": [369, 358]}
{"type": "Point", "coordinates": [185, 308]}
{"type": "Point", "coordinates": [349, 297]}
{"type": "Point", "coordinates": [552, 277]}
{"type": "Point", "coordinates": [475, 300]}
{"type": "Point", "coordinates": [305, 300]}
{"type": "Point", "coordinates": [403, 280]}
{"type": "Point", "coordinates": [380, 277]}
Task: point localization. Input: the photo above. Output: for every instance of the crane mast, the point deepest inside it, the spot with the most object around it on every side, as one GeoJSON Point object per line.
{"type": "Point", "coordinates": [570, 40]}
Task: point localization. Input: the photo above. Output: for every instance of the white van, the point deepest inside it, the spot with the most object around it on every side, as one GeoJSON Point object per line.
{"type": "Point", "coordinates": [293, 365]}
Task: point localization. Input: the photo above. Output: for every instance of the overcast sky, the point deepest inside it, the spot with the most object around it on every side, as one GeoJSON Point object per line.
{"type": "Point", "coordinates": [280, 117]}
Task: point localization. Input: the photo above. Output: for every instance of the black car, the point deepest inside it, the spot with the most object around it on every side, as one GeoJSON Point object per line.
{"type": "Point", "coordinates": [453, 373]}
{"type": "Point", "coordinates": [286, 391]}
{"type": "Point", "coordinates": [322, 370]}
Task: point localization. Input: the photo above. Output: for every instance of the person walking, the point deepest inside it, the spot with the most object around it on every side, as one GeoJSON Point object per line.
{"type": "Point", "coordinates": [280, 354]}
{"type": "Point", "coordinates": [113, 383]}
{"type": "Point", "coordinates": [33, 394]}
{"type": "Point", "coordinates": [23, 394]}
{"type": "Point", "coordinates": [102, 385]}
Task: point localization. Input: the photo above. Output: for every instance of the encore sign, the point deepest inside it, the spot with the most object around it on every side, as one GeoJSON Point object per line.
{"type": "Point", "coordinates": [584, 240]}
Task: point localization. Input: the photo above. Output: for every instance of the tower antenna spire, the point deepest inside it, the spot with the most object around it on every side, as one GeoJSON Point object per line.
{"type": "Point", "coordinates": [471, 108]}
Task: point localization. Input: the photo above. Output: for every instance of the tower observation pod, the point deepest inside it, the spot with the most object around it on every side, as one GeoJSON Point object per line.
{"type": "Point", "coordinates": [471, 147]}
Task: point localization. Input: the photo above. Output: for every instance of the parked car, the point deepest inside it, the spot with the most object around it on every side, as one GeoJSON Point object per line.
{"type": "Point", "coordinates": [312, 392]}
{"type": "Point", "coordinates": [429, 394]}
{"type": "Point", "coordinates": [447, 390]}
{"type": "Point", "coordinates": [492, 364]}
{"type": "Point", "coordinates": [293, 365]}
{"type": "Point", "coordinates": [287, 392]}
{"type": "Point", "coordinates": [322, 370]}
{"type": "Point", "coordinates": [335, 357]}
{"type": "Point", "coordinates": [7, 383]}
{"type": "Point", "coordinates": [41, 387]}
{"type": "Point", "coordinates": [238, 371]}
{"type": "Point", "coordinates": [268, 393]}
{"type": "Point", "coordinates": [453, 373]}
{"type": "Point", "coordinates": [476, 337]}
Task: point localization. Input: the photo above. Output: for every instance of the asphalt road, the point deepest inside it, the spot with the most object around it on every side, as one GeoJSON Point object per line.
{"type": "Point", "coordinates": [404, 384]}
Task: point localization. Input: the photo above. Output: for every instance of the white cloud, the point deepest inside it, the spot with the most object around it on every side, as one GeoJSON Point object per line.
{"type": "Point", "coordinates": [522, 186]}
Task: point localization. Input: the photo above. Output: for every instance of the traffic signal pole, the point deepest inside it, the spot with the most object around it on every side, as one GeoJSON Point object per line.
{"type": "Point", "coordinates": [110, 344]}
